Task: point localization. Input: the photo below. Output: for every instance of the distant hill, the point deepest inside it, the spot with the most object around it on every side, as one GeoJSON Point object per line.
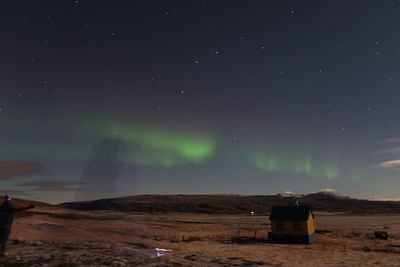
{"type": "Point", "coordinates": [235, 204]}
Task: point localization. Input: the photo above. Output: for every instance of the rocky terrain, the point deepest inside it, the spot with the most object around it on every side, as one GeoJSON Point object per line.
{"type": "Point", "coordinates": [42, 253]}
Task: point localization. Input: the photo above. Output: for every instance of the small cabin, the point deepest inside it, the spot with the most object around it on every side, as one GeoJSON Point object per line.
{"type": "Point", "coordinates": [292, 224]}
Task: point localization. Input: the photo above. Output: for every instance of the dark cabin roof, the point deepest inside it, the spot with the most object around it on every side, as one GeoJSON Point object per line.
{"type": "Point", "coordinates": [290, 213]}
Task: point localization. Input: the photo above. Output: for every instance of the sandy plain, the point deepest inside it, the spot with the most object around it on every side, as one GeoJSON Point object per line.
{"type": "Point", "coordinates": [58, 237]}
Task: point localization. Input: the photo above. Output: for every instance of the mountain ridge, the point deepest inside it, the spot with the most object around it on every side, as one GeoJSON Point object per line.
{"type": "Point", "coordinates": [233, 204]}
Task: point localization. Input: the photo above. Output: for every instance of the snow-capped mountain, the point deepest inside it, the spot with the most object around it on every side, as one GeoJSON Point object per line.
{"type": "Point", "coordinates": [326, 194]}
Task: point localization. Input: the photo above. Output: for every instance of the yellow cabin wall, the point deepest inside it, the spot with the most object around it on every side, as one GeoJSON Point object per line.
{"type": "Point", "coordinates": [310, 225]}
{"type": "Point", "coordinates": [307, 227]}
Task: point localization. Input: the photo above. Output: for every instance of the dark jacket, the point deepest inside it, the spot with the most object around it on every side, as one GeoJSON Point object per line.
{"type": "Point", "coordinates": [6, 218]}
{"type": "Point", "coordinates": [8, 208]}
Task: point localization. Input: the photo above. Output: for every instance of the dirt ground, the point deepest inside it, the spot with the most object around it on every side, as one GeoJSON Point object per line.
{"type": "Point", "coordinates": [65, 238]}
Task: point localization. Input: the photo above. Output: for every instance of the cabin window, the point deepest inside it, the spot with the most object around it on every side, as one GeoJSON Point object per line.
{"type": "Point", "coordinates": [280, 225]}
{"type": "Point", "coordinates": [296, 225]}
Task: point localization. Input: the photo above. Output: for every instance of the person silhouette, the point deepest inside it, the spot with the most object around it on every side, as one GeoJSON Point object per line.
{"type": "Point", "coordinates": [7, 211]}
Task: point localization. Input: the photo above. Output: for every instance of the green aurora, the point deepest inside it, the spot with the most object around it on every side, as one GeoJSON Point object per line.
{"type": "Point", "coordinates": [158, 147]}
{"type": "Point", "coordinates": [305, 165]}
{"type": "Point", "coordinates": [143, 145]}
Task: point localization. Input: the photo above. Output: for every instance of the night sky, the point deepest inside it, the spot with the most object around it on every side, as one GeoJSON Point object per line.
{"type": "Point", "coordinates": [113, 98]}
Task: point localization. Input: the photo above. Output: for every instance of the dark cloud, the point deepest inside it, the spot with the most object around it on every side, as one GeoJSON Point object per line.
{"type": "Point", "coordinates": [14, 169]}
{"type": "Point", "coordinates": [102, 169]}
{"type": "Point", "coordinates": [13, 192]}
{"type": "Point", "coordinates": [49, 185]}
